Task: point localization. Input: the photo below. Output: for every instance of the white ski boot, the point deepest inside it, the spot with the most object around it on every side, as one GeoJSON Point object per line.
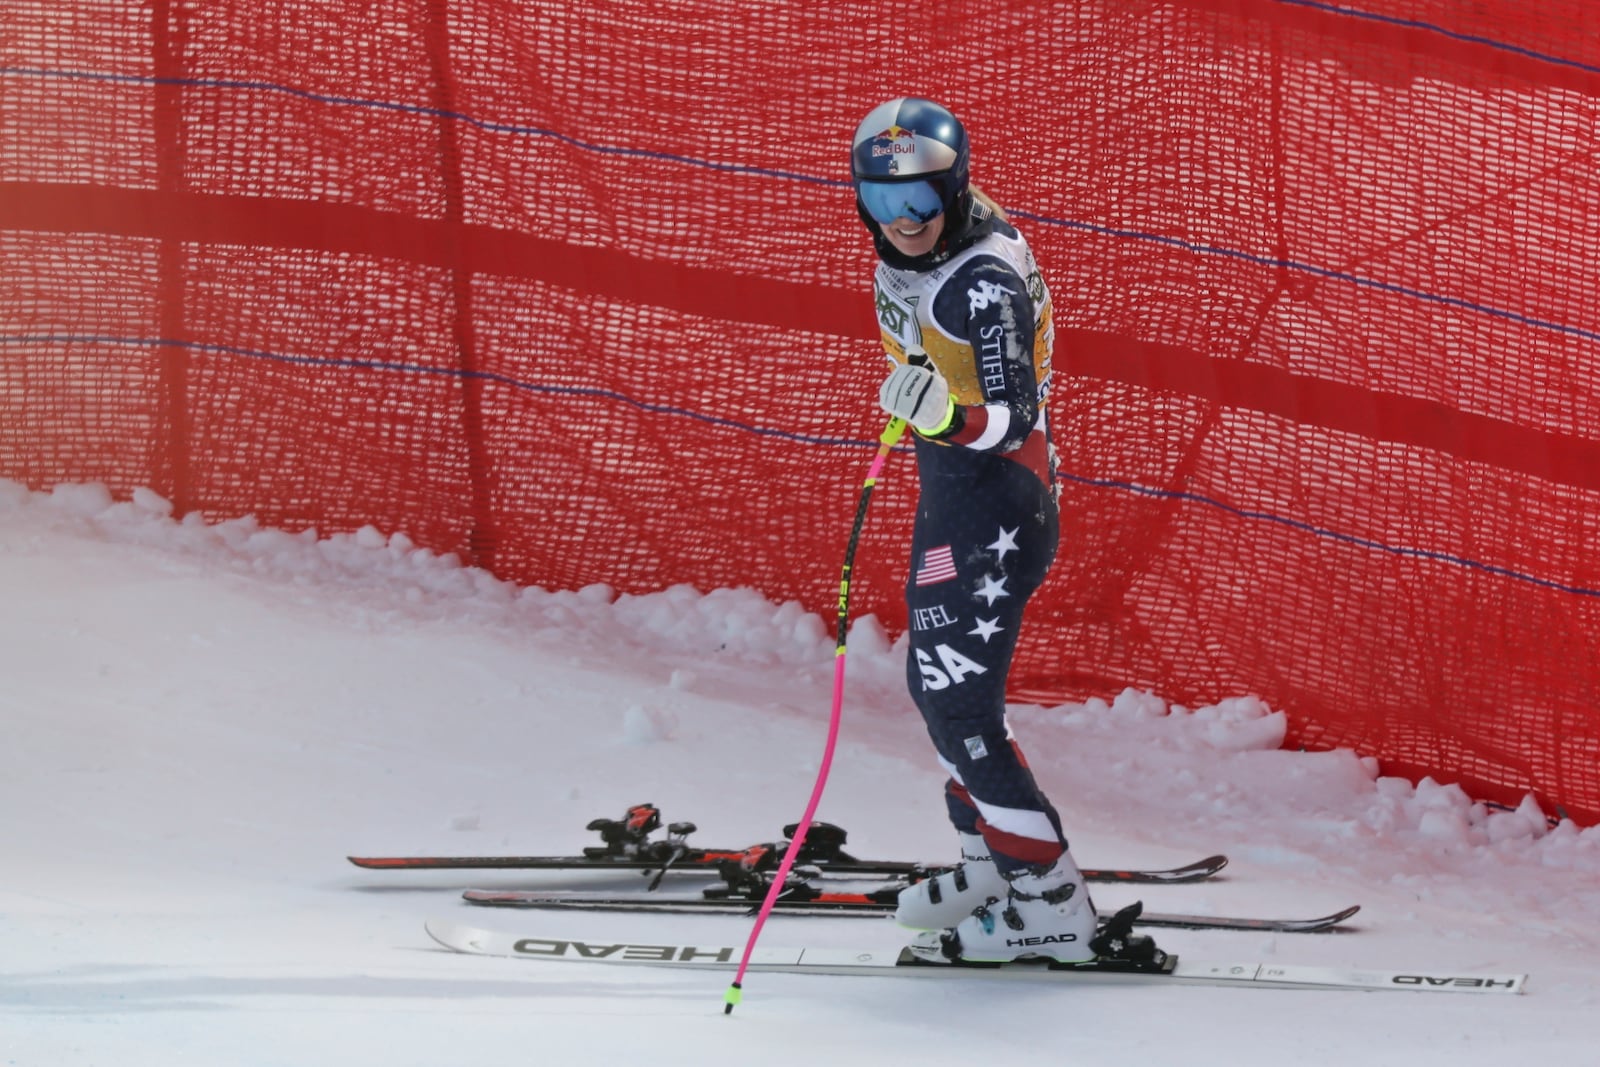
{"type": "Point", "coordinates": [1045, 913]}
{"type": "Point", "coordinates": [938, 902]}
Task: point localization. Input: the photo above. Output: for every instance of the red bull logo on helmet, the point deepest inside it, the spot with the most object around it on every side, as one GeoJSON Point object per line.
{"type": "Point", "coordinates": [900, 141]}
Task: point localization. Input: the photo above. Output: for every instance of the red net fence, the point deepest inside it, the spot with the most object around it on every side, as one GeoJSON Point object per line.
{"type": "Point", "coordinates": [577, 290]}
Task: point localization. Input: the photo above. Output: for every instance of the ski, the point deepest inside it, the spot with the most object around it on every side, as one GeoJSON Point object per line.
{"type": "Point", "coordinates": [627, 845]}
{"type": "Point", "coordinates": [902, 962]}
{"type": "Point", "coordinates": [706, 861]}
{"type": "Point", "coordinates": [808, 901]}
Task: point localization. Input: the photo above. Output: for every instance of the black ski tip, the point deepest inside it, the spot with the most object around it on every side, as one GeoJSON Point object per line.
{"type": "Point", "coordinates": [1198, 871]}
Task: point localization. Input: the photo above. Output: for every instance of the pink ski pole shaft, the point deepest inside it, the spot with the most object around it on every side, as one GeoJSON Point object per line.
{"type": "Point", "coordinates": [886, 442]}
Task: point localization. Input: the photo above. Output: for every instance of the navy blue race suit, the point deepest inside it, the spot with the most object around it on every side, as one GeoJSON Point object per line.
{"type": "Point", "coordinates": [986, 524]}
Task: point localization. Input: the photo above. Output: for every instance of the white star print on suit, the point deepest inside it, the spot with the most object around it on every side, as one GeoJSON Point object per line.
{"type": "Point", "coordinates": [1006, 542]}
{"type": "Point", "coordinates": [992, 589]}
{"type": "Point", "coordinates": [986, 629]}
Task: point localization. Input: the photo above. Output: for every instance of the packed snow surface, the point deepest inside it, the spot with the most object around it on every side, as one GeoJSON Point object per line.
{"type": "Point", "coordinates": [203, 721]}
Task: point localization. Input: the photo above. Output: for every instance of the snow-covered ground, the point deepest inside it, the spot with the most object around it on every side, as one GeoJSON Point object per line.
{"type": "Point", "coordinates": [201, 722]}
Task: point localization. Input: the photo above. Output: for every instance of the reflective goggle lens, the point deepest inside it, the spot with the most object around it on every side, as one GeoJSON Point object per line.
{"type": "Point", "coordinates": [887, 201]}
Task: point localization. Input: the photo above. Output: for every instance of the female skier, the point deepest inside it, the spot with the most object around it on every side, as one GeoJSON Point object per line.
{"type": "Point", "coordinates": [965, 319]}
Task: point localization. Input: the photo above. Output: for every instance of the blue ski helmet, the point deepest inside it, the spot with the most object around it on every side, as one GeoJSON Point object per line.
{"type": "Point", "coordinates": [909, 158]}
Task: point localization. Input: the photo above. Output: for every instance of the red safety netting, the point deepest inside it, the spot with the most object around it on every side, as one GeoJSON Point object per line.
{"type": "Point", "coordinates": [577, 290]}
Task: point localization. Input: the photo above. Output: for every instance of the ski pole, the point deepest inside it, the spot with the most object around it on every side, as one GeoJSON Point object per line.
{"type": "Point", "coordinates": [886, 442]}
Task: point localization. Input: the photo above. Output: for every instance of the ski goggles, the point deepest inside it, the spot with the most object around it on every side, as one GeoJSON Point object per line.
{"type": "Point", "coordinates": [887, 201]}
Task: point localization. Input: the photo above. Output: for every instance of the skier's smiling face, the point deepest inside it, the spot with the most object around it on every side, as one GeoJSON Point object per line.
{"type": "Point", "coordinates": [913, 238]}
{"type": "Point", "coordinates": [909, 214]}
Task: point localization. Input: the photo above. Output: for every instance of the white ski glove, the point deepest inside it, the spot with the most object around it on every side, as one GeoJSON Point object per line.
{"type": "Point", "coordinates": [919, 395]}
